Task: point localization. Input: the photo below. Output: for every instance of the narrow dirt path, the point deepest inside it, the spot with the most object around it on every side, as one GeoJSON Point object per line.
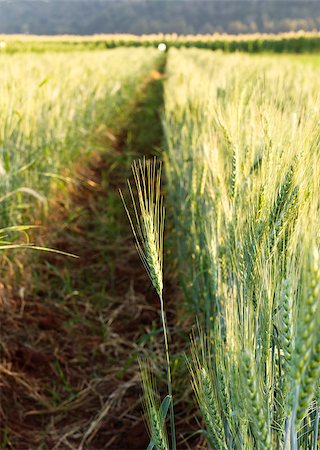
{"type": "Point", "coordinates": [69, 371]}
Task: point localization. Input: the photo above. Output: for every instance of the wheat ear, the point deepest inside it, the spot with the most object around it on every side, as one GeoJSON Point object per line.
{"type": "Point", "coordinates": [147, 224]}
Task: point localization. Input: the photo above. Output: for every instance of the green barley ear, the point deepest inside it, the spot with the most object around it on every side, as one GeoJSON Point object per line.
{"type": "Point", "coordinates": [255, 406]}
{"type": "Point", "coordinates": [156, 422]}
{"type": "Point", "coordinates": [210, 408]}
{"type": "Point", "coordinates": [287, 322]}
{"type": "Point", "coordinates": [233, 181]}
{"type": "Point", "coordinates": [205, 392]}
{"type": "Point", "coordinates": [147, 221]}
{"type": "Point", "coordinates": [282, 195]}
{"type": "Point", "coordinates": [308, 349]}
{"type": "Point", "coordinates": [309, 383]}
{"type": "Point", "coordinates": [308, 324]}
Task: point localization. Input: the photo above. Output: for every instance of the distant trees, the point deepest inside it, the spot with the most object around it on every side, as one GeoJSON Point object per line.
{"type": "Point", "coordinates": [156, 16]}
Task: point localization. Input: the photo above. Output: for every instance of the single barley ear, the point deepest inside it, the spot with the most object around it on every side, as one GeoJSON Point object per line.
{"type": "Point", "coordinates": [155, 418]}
{"type": "Point", "coordinates": [233, 180]}
{"type": "Point", "coordinates": [205, 392]}
{"type": "Point", "coordinates": [287, 323]}
{"type": "Point", "coordinates": [147, 218]}
{"type": "Point", "coordinates": [224, 391]}
{"type": "Point", "coordinates": [287, 218]}
{"type": "Point", "coordinates": [210, 407]}
{"type": "Point", "coordinates": [309, 384]}
{"type": "Point", "coordinates": [255, 406]}
{"type": "Point", "coordinates": [307, 325]}
{"type": "Point", "coordinates": [281, 197]}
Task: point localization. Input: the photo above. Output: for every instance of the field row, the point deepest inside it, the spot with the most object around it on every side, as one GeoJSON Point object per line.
{"type": "Point", "coordinates": [299, 42]}
{"type": "Point", "coordinates": [242, 171]}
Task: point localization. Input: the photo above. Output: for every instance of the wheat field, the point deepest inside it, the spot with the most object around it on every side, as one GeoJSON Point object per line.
{"type": "Point", "coordinates": [223, 207]}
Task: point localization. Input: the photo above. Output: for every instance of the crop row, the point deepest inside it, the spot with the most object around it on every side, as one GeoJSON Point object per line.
{"type": "Point", "coordinates": [300, 42]}
{"type": "Point", "coordinates": [242, 172]}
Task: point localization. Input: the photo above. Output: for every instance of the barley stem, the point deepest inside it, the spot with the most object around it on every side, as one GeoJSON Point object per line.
{"type": "Point", "coordinates": [169, 381]}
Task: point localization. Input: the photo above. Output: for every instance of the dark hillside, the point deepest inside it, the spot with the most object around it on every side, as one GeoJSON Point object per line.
{"type": "Point", "coordinates": [157, 16]}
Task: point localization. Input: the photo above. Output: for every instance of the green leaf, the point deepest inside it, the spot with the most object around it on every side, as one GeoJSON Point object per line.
{"type": "Point", "coordinates": [164, 408]}
{"type": "Point", "coordinates": [151, 445]}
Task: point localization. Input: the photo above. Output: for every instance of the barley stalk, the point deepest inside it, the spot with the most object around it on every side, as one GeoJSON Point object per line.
{"type": "Point", "coordinates": [147, 224]}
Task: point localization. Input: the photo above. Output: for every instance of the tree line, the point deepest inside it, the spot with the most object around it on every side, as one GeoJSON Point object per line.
{"type": "Point", "coordinates": [157, 16]}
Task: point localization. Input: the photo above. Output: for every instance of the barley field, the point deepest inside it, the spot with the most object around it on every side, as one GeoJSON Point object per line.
{"type": "Point", "coordinates": [188, 316]}
{"type": "Point", "coordinates": [242, 169]}
{"type": "Point", "coordinates": [49, 106]}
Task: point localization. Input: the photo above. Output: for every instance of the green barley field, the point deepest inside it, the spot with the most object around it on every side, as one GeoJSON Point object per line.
{"type": "Point", "coordinates": [160, 239]}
